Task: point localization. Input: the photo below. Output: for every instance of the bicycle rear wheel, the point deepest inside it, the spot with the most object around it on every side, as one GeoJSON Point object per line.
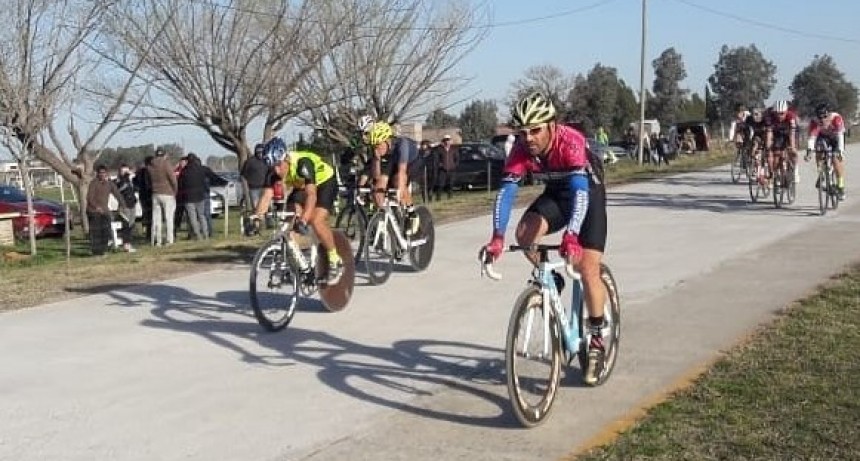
{"type": "Point", "coordinates": [612, 333]}
{"type": "Point", "coordinates": [378, 249]}
{"type": "Point", "coordinates": [274, 287]}
{"type": "Point", "coordinates": [421, 255]}
{"type": "Point", "coordinates": [532, 359]}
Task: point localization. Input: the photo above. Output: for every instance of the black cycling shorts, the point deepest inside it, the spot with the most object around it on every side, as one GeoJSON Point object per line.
{"type": "Point", "coordinates": [554, 206]}
{"type": "Point", "coordinates": [326, 195]}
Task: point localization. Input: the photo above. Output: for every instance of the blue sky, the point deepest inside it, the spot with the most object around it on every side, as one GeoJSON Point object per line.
{"type": "Point", "coordinates": [610, 33]}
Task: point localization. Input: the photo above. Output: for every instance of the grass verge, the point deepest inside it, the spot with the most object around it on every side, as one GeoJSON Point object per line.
{"type": "Point", "coordinates": [791, 392]}
{"type": "Point", "coordinates": [27, 281]}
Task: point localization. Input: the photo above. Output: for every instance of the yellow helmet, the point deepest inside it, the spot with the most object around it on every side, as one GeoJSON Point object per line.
{"type": "Point", "coordinates": [379, 133]}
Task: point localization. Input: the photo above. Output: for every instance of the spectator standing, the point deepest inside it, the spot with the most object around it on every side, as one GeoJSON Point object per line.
{"type": "Point", "coordinates": [179, 214]}
{"type": "Point", "coordinates": [127, 190]}
{"type": "Point", "coordinates": [447, 158]}
{"type": "Point", "coordinates": [428, 179]}
{"type": "Point", "coordinates": [194, 181]}
{"type": "Point", "coordinates": [602, 136]}
{"type": "Point", "coordinates": [254, 173]}
{"type": "Point", "coordinates": [98, 212]}
{"type": "Point", "coordinates": [143, 185]}
{"type": "Point", "coordinates": [164, 189]}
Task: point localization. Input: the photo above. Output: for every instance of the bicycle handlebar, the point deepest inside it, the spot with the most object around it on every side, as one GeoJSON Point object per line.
{"type": "Point", "coordinates": [487, 260]}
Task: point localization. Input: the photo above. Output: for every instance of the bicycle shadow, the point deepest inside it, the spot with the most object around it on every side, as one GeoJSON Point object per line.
{"type": "Point", "coordinates": [401, 377]}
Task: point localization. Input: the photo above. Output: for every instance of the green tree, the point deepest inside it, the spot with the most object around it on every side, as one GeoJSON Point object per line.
{"type": "Point", "coordinates": [741, 75]}
{"type": "Point", "coordinates": [479, 120]}
{"type": "Point", "coordinates": [668, 97]}
{"type": "Point", "coordinates": [441, 119]}
{"type": "Point", "coordinates": [822, 82]}
{"type": "Point", "coordinates": [601, 98]}
{"type": "Point", "coordinates": [692, 109]}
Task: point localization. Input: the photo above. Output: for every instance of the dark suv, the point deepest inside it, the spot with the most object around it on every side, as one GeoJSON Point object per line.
{"type": "Point", "coordinates": [476, 159]}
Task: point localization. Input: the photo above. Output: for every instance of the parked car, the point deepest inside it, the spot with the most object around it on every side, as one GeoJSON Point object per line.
{"type": "Point", "coordinates": [50, 216]}
{"type": "Point", "coordinates": [216, 204]}
{"type": "Point", "coordinates": [699, 130]}
{"type": "Point", "coordinates": [474, 159]}
{"type": "Point", "coordinates": [233, 191]}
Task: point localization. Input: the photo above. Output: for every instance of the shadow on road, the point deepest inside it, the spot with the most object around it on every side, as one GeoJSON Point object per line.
{"type": "Point", "coordinates": [398, 377]}
{"type": "Point", "coordinates": [710, 203]}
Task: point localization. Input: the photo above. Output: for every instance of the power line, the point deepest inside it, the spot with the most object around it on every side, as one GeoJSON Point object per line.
{"type": "Point", "coordinates": [768, 26]}
{"type": "Point", "coordinates": [491, 25]}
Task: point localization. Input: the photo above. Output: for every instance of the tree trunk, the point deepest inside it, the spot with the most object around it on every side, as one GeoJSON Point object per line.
{"type": "Point", "coordinates": [28, 191]}
{"type": "Point", "coordinates": [83, 191]}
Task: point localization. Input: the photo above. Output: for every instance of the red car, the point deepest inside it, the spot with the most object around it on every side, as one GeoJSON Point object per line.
{"type": "Point", "coordinates": [50, 216]}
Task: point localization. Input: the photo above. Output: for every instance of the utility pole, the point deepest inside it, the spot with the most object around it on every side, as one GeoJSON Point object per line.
{"type": "Point", "coordinates": [642, 87]}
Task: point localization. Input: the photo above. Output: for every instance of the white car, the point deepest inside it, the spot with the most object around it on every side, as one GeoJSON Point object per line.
{"type": "Point", "coordinates": [233, 190]}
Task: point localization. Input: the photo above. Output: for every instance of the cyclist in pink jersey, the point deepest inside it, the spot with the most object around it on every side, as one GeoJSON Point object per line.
{"type": "Point", "coordinates": [829, 126]}
{"type": "Point", "coordinates": [574, 200]}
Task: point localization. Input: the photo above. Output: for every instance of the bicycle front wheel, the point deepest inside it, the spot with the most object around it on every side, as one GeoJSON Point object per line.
{"type": "Point", "coordinates": [378, 249]}
{"type": "Point", "coordinates": [532, 359]}
{"type": "Point", "coordinates": [612, 331]}
{"type": "Point", "coordinates": [274, 287]}
{"type": "Point", "coordinates": [353, 223]}
{"type": "Point", "coordinates": [737, 166]}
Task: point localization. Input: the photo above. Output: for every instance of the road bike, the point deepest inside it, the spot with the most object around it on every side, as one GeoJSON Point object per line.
{"type": "Point", "coordinates": [742, 163]}
{"type": "Point", "coordinates": [387, 239]}
{"type": "Point", "coordinates": [543, 331]}
{"type": "Point", "coordinates": [759, 186]}
{"type": "Point", "coordinates": [784, 186]}
{"type": "Point", "coordinates": [354, 215]}
{"type": "Point", "coordinates": [827, 185]}
{"type": "Point", "coordinates": [290, 267]}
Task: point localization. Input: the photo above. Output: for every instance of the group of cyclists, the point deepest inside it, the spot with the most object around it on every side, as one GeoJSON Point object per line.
{"type": "Point", "coordinates": [573, 201]}
{"type": "Point", "coordinates": [313, 183]}
{"type": "Point", "coordinates": [774, 131]}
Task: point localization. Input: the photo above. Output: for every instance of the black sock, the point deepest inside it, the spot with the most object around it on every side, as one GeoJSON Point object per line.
{"type": "Point", "coordinates": [595, 321]}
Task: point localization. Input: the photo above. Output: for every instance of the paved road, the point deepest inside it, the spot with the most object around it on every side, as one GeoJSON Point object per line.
{"type": "Point", "coordinates": [412, 370]}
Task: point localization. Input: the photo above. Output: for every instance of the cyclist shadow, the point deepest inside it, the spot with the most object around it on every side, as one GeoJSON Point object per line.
{"type": "Point", "coordinates": [406, 375]}
{"type": "Point", "coordinates": [362, 278]}
{"type": "Point", "coordinates": [403, 376]}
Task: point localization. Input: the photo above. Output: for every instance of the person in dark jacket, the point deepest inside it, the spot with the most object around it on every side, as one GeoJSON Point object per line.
{"type": "Point", "coordinates": [431, 165]}
{"type": "Point", "coordinates": [448, 162]}
{"type": "Point", "coordinates": [98, 211]}
{"type": "Point", "coordinates": [144, 193]}
{"type": "Point", "coordinates": [254, 173]}
{"type": "Point", "coordinates": [194, 181]}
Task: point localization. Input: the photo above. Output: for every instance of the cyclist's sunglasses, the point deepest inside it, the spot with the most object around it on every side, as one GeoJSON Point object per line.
{"type": "Point", "coordinates": [533, 130]}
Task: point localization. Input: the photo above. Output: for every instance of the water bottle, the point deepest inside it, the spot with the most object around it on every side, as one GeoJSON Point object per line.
{"type": "Point", "coordinates": [297, 258]}
{"type": "Point", "coordinates": [575, 305]}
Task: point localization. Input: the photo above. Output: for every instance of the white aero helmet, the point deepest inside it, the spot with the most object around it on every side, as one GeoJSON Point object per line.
{"type": "Point", "coordinates": [365, 123]}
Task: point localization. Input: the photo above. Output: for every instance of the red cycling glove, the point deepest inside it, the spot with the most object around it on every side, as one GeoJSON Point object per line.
{"type": "Point", "coordinates": [496, 246]}
{"type": "Point", "coordinates": [570, 247]}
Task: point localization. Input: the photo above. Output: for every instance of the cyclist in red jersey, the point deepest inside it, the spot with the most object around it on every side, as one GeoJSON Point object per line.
{"type": "Point", "coordinates": [574, 200]}
{"type": "Point", "coordinates": [830, 126]}
{"type": "Point", "coordinates": [782, 135]}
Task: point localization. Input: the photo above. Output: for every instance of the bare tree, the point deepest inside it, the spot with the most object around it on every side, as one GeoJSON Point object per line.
{"type": "Point", "coordinates": [223, 65]}
{"type": "Point", "coordinates": [49, 67]}
{"type": "Point", "coordinates": [546, 78]}
{"type": "Point", "coordinates": [399, 62]}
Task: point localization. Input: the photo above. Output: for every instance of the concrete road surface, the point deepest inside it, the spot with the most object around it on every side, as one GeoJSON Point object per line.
{"type": "Point", "coordinates": [412, 369]}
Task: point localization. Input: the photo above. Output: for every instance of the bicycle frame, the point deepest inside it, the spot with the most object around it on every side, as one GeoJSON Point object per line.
{"type": "Point", "coordinates": [389, 210]}
{"type": "Point", "coordinates": [568, 327]}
